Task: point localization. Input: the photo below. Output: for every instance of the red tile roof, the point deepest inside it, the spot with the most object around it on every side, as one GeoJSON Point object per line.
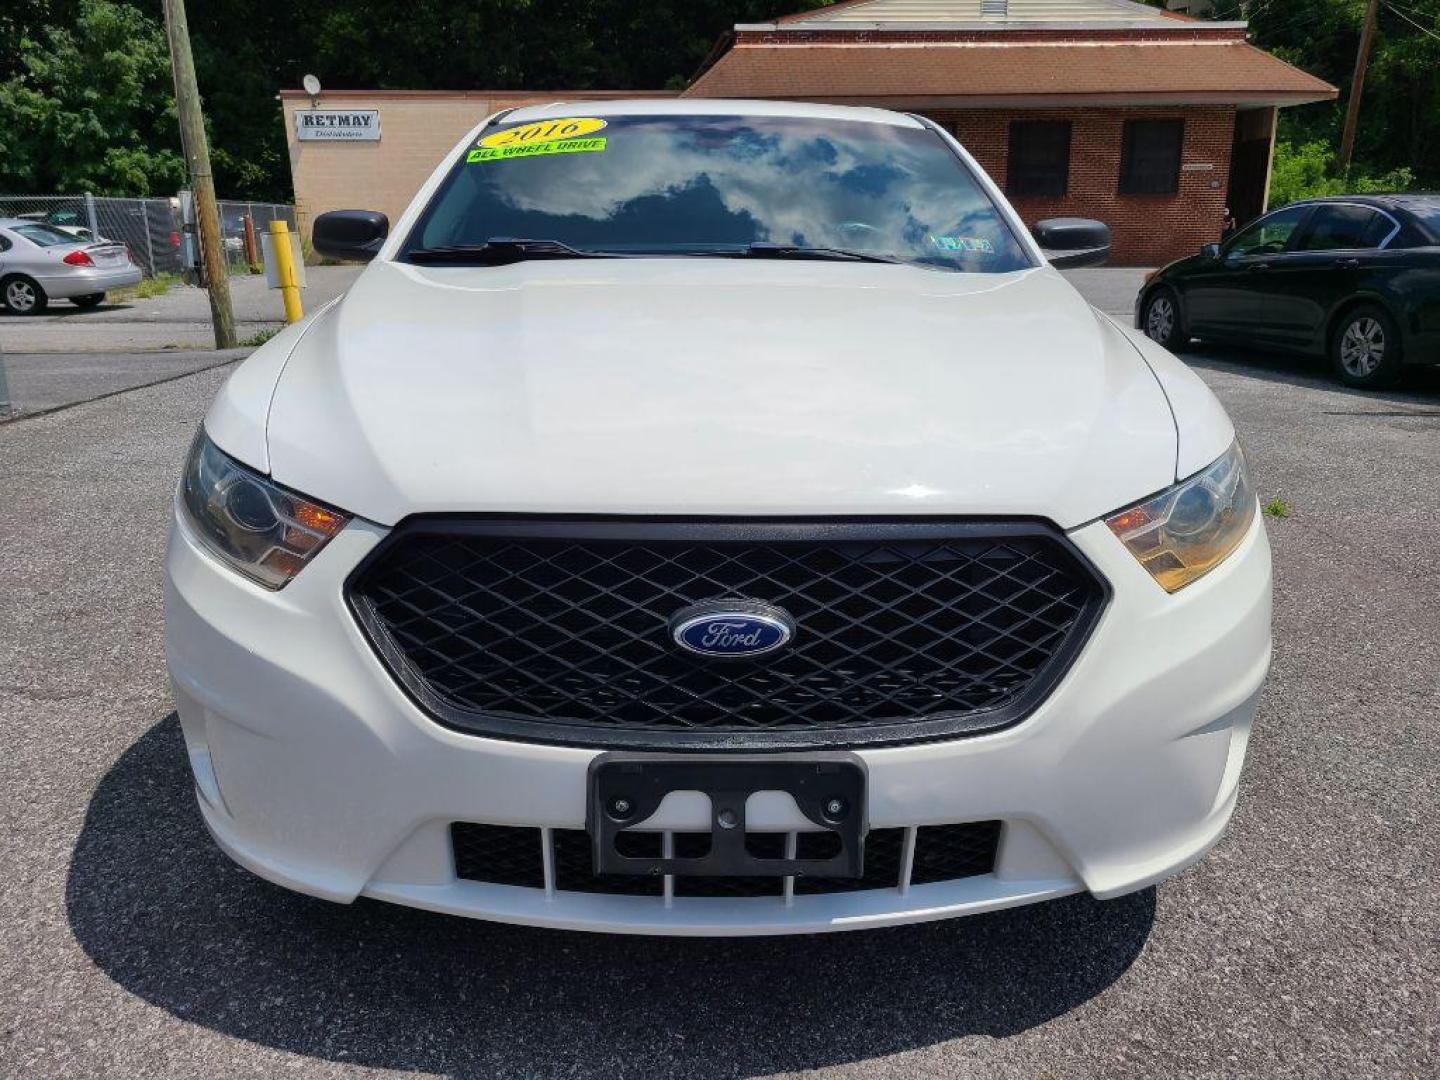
{"type": "Point", "coordinates": [1209, 71]}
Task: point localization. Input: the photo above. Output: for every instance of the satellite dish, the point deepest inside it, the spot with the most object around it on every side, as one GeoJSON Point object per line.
{"type": "Point", "coordinates": [311, 84]}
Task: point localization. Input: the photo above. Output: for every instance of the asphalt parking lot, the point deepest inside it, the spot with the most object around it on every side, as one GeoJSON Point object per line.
{"type": "Point", "coordinates": [176, 320]}
{"type": "Point", "coordinates": [1307, 944]}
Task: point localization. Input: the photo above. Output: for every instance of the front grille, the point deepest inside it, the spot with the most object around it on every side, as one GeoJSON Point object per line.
{"type": "Point", "coordinates": [559, 631]}
{"type": "Point", "coordinates": [507, 855]}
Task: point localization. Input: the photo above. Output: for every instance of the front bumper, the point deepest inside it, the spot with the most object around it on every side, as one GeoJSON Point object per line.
{"type": "Point", "coordinates": [314, 770]}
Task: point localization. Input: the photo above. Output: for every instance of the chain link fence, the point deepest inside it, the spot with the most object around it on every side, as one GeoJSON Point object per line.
{"type": "Point", "coordinates": [152, 229]}
{"type": "Point", "coordinates": [232, 230]}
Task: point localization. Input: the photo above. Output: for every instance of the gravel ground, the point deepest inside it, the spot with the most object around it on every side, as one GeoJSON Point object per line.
{"type": "Point", "coordinates": [1307, 944]}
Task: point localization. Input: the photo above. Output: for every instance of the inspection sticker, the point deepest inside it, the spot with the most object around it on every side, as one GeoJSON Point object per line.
{"type": "Point", "coordinates": [566, 146]}
{"type": "Point", "coordinates": [963, 243]}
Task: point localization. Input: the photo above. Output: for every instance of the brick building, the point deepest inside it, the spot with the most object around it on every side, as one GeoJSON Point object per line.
{"type": "Point", "coordinates": [1146, 119]}
{"type": "Point", "coordinates": [1149, 120]}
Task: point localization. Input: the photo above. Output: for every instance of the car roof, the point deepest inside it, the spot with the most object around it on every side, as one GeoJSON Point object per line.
{"type": "Point", "coordinates": [1385, 200]}
{"type": "Point", "coordinates": [709, 107]}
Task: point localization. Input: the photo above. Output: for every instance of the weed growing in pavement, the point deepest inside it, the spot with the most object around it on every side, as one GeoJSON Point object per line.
{"type": "Point", "coordinates": [1277, 508]}
{"type": "Point", "coordinates": [259, 338]}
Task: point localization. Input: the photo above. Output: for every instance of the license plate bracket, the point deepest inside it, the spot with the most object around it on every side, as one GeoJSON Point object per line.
{"type": "Point", "coordinates": [625, 790]}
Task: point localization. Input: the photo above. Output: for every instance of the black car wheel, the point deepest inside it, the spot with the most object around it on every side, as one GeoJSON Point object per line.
{"type": "Point", "coordinates": [23, 296]}
{"type": "Point", "coordinates": [1160, 319]}
{"type": "Point", "coordinates": [87, 301]}
{"type": "Point", "coordinates": [1365, 348]}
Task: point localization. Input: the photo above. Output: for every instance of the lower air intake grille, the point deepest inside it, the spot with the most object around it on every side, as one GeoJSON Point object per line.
{"type": "Point", "coordinates": [560, 631]}
{"type": "Point", "coordinates": [501, 854]}
{"type": "Point", "coordinates": [505, 855]}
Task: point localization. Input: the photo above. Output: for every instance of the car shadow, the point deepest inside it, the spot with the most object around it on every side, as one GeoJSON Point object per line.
{"type": "Point", "coordinates": [1419, 386]}
{"type": "Point", "coordinates": [164, 914]}
{"type": "Point", "coordinates": [65, 309]}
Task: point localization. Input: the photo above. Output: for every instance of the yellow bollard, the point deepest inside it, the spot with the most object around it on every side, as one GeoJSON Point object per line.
{"type": "Point", "coordinates": [285, 270]}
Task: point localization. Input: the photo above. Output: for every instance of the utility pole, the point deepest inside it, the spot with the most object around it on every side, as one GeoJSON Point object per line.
{"type": "Point", "coordinates": [1357, 83]}
{"type": "Point", "coordinates": [197, 158]}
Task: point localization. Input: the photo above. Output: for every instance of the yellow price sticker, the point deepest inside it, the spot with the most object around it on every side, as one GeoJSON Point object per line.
{"type": "Point", "coordinates": [543, 131]}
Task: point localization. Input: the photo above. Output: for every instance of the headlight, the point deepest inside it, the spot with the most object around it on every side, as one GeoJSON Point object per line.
{"type": "Point", "coordinates": [1186, 531]}
{"type": "Point", "coordinates": [250, 522]}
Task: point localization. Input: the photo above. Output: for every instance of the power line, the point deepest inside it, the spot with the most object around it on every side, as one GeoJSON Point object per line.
{"type": "Point", "coordinates": [1396, 11]}
{"type": "Point", "coordinates": [1419, 11]}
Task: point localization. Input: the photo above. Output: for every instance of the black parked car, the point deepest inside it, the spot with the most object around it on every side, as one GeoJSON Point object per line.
{"type": "Point", "coordinates": [1354, 277]}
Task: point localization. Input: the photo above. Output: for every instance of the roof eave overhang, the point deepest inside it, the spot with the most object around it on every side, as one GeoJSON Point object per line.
{"type": "Point", "coordinates": [1244, 99]}
{"type": "Point", "coordinates": [992, 25]}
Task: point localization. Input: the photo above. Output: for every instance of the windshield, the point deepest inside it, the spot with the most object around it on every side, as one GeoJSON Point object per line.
{"type": "Point", "coordinates": [707, 185]}
{"type": "Point", "coordinates": [1428, 213]}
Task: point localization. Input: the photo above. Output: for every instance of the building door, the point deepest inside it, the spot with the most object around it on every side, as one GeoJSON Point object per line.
{"type": "Point", "coordinates": [1250, 163]}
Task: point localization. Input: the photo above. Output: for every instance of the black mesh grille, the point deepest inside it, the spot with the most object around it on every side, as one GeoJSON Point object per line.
{"type": "Point", "coordinates": [502, 854]}
{"type": "Point", "coordinates": [945, 852]}
{"type": "Point", "coordinates": [883, 857]}
{"type": "Point", "coordinates": [903, 632]}
{"type": "Point", "coordinates": [513, 856]}
{"type": "Point", "coordinates": [575, 869]}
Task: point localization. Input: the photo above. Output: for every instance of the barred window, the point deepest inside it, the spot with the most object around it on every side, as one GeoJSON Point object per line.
{"type": "Point", "coordinates": [1039, 161]}
{"type": "Point", "coordinates": [1150, 157]}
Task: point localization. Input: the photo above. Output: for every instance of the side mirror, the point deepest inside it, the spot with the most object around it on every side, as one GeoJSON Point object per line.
{"type": "Point", "coordinates": [1071, 242]}
{"type": "Point", "coordinates": [352, 235]}
{"type": "Point", "coordinates": [1211, 251]}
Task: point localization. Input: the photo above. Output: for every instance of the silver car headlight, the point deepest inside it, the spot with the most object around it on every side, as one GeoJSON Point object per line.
{"type": "Point", "coordinates": [250, 522]}
{"type": "Point", "coordinates": [1187, 530]}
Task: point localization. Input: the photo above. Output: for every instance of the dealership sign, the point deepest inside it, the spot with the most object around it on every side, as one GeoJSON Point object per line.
{"type": "Point", "coordinates": [337, 124]}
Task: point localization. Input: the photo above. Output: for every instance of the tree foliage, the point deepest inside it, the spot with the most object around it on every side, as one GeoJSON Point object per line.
{"type": "Point", "coordinates": [1306, 170]}
{"type": "Point", "coordinates": [89, 105]}
{"type": "Point", "coordinates": [85, 91]}
{"type": "Point", "coordinates": [1397, 141]}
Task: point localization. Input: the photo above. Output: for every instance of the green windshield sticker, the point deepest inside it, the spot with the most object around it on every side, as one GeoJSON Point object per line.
{"type": "Point", "coordinates": [567, 146]}
{"type": "Point", "coordinates": [963, 243]}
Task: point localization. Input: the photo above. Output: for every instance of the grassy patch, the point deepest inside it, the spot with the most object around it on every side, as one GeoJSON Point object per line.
{"type": "Point", "coordinates": [158, 285]}
{"type": "Point", "coordinates": [1277, 508]}
{"type": "Point", "coordinates": [259, 338]}
{"type": "Point", "coordinates": [148, 289]}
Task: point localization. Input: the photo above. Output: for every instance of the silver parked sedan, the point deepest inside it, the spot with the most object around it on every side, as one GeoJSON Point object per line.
{"type": "Point", "coordinates": [40, 263]}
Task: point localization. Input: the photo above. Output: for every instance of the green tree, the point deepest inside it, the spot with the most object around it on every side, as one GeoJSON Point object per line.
{"type": "Point", "coordinates": [1306, 170]}
{"type": "Point", "coordinates": [88, 105]}
{"type": "Point", "coordinates": [1398, 138]}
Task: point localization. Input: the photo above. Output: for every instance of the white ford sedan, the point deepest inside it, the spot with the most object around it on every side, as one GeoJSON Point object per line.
{"type": "Point", "coordinates": [714, 518]}
{"type": "Point", "coordinates": [40, 263]}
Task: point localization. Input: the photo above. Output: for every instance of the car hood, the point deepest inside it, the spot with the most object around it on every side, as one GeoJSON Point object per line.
{"type": "Point", "coordinates": [1189, 262]}
{"type": "Point", "coordinates": [717, 386]}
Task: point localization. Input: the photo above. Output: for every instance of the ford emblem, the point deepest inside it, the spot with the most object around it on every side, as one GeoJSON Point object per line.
{"type": "Point", "coordinates": [735, 629]}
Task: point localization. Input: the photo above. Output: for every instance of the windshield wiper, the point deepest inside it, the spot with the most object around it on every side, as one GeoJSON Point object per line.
{"type": "Point", "coordinates": [499, 250]}
{"type": "Point", "coordinates": [766, 250]}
